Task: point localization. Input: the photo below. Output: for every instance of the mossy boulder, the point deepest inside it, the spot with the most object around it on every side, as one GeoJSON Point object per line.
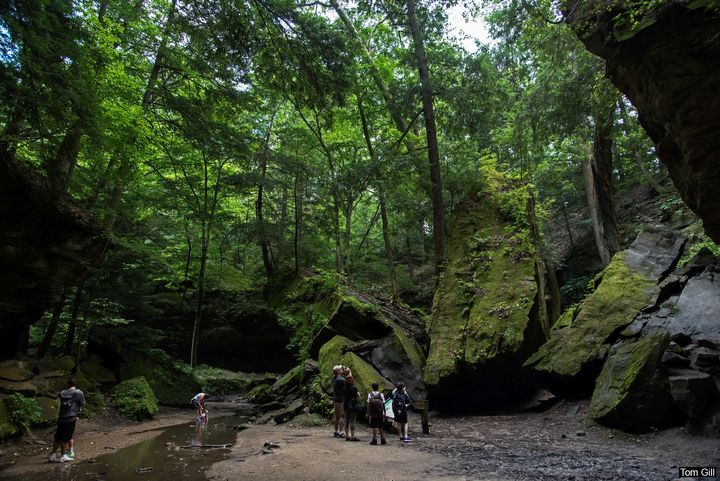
{"type": "Point", "coordinates": [135, 399]}
{"type": "Point", "coordinates": [172, 385]}
{"type": "Point", "coordinates": [570, 360]}
{"type": "Point", "coordinates": [632, 393]}
{"type": "Point", "coordinates": [363, 372]}
{"type": "Point", "coordinates": [399, 358]}
{"type": "Point", "coordinates": [483, 324]}
{"type": "Point", "coordinates": [49, 409]}
{"type": "Point", "coordinates": [221, 381]}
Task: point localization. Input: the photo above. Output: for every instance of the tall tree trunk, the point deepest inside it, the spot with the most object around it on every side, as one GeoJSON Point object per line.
{"type": "Point", "coordinates": [383, 210]}
{"type": "Point", "coordinates": [436, 192]}
{"type": "Point", "coordinates": [409, 257]}
{"type": "Point", "coordinates": [204, 242]}
{"type": "Point", "coordinates": [298, 197]}
{"type": "Point", "coordinates": [540, 274]}
{"type": "Point", "coordinates": [388, 248]}
{"type": "Point", "coordinates": [72, 324]}
{"type": "Point", "coordinates": [346, 239]}
{"type": "Point", "coordinates": [555, 306]}
{"type": "Point", "coordinates": [61, 167]}
{"type": "Point", "coordinates": [52, 327]}
{"type": "Point", "coordinates": [599, 189]}
{"type": "Point", "coordinates": [635, 152]}
{"type": "Point", "coordinates": [421, 239]}
{"type": "Point", "coordinates": [336, 233]}
{"type": "Point", "coordinates": [188, 258]}
{"type": "Point", "coordinates": [207, 208]}
{"type": "Point", "coordinates": [262, 231]}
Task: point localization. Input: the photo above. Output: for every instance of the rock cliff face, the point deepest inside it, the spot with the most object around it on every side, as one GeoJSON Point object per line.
{"type": "Point", "coordinates": [485, 320]}
{"type": "Point", "coordinates": [667, 62]}
{"type": "Point", "coordinates": [646, 343]}
{"type": "Point", "coordinates": [45, 244]}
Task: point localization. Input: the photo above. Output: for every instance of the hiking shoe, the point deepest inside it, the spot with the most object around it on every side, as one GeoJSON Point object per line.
{"type": "Point", "coordinates": [354, 439]}
{"type": "Point", "coordinates": [341, 434]}
{"type": "Point", "coordinates": [374, 442]}
{"type": "Point", "coordinates": [382, 441]}
{"type": "Point", "coordinates": [65, 458]}
{"type": "Point", "coordinates": [70, 454]}
{"type": "Point", "coordinates": [348, 439]}
{"type": "Point", "coordinates": [52, 458]}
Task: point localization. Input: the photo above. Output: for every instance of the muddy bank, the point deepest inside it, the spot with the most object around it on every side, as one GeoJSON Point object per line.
{"type": "Point", "coordinates": [27, 458]}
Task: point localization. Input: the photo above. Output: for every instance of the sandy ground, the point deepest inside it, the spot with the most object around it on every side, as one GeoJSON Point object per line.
{"type": "Point", "coordinates": [554, 445]}
{"type": "Point", "coordinates": [558, 444]}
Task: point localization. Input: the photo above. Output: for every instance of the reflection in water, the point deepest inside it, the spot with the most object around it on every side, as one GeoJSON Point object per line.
{"type": "Point", "coordinates": [161, 458]}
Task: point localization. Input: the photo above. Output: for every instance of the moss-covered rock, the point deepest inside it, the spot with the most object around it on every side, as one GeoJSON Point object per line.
{"type": "Point", "coordinates": [363, 372]}
{"type": "Point", "coordinates": [399, 358]}
{"type": "Point", "coordinates": [221, 381]}
{"type": "Point", "coordinates": [49, 409]}
{"type": "Point", "coordinates": [631, 392]}
{"type": "Point", "coordinates": [483, 308]}
{"type": "Point", "coordinates": [135, 399]}
{"type": "Point", "coordinates": [572, 357]}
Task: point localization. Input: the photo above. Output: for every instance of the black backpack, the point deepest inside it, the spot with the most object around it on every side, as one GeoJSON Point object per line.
{"type": "Point", "coordinates": [398, 405]}
{"type": "Point", "coordinates": [376, 407]}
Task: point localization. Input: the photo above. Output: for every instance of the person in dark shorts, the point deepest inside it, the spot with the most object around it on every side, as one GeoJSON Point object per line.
{"type": "Point", "coordinates": [376, 413]}
{"type": "Point", "coordinates": [198, 402]}
{"type": "Point", "coordinates": [338, 400]}
{"type": "Point", "coordinates": [350, 406]}
{"type": "Point", "coordinates": [72, 400]}
{"type": "Point", "coordinates": [401, 403]}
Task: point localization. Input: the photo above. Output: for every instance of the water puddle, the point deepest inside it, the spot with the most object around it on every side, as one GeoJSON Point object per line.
{"type": "Point", "coordinates": [179, 452]}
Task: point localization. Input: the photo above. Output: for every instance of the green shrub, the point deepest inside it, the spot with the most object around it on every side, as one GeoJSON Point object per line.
{"type": "Point", "coordinates": [134, 398]}
{"type": "Point", "coordinates": [24, 411]}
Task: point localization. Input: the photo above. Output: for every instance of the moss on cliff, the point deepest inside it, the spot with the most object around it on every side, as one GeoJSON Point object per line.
{"type": "Point", "coordinates": [483, 302]}
{"type": "Point", "coordinates": [618, 299]}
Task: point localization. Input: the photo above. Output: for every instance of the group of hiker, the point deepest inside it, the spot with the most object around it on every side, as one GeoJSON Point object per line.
{"type": "Point", "coordinates": [346, 401]}
{"type": "Point", "coordinates": [346, 404]}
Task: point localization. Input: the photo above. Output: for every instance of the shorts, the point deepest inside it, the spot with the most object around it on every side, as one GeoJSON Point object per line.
{"type": "Point", "coordinates": [401, 418]}
{"type": "Point", "coordinates": [65, 431]}
{"type": "Point", "coordinates": [377, 423]}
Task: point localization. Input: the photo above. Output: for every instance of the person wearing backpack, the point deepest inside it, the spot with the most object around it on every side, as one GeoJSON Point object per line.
{"type": "Point", "coordinates": [401, 403]}
{"type": "Point", "coordinates": [351, 403]}
{"type": "Point", "coordinates": [72, 400]}
{"type": "Point", "coordinates": [376, 413]}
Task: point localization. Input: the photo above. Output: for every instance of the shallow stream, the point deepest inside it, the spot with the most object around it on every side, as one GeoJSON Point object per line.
{"type": "Point", "coordinates": [179, 452]}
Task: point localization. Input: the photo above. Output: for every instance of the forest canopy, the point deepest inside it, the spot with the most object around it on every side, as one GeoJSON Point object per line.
{"type": "Point", "coordinates": [223, 143]}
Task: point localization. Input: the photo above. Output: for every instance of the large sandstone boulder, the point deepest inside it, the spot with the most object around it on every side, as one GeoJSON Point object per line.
{"type": "Point", "coordinates": [364, 373]}
{"type": "Point", "coordinates": [631, 392]}
{"type": "Point", "coordinates": [664, 57]}
{"type": "Point", "coordinates": [573, 356]}
{"type": "Point", "coordinates": [485, 321]}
